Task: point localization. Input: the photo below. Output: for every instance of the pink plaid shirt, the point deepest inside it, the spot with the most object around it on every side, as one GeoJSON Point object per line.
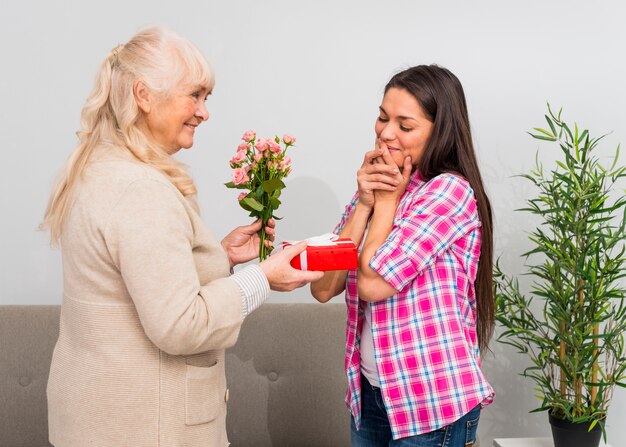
{"type": "Point", "coordinates": [425, 342]}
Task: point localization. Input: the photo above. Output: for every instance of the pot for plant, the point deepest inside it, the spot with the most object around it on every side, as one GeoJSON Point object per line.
{"type": "Point", "coordinates": [570, 434]}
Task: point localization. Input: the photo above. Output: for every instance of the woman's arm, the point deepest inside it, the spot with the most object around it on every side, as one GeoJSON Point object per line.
{"type": "Point", "coordinates": [334, 282]}
{"type": "Point", "coordinates": [372, 286]}
{"type": "Point", "coordinates": [370, 177]}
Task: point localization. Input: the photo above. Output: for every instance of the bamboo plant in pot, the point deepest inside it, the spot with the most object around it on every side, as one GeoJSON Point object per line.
{"type": "Point", "coordinates": [571, 324]}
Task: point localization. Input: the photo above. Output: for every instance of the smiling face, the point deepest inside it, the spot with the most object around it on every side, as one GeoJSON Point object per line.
{"type": "Point", "coordinates": [403, 126]}
{"type": "Point", "coordinates": [171, 121]}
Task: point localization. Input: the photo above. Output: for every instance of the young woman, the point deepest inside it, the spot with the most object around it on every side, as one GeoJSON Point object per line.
{"type": "Point", "coordinates": [420, 305]}
{"type": "Point", "coordinates": [149, 302]}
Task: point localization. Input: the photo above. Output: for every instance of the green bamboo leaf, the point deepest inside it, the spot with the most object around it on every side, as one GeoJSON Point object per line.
{"type": "Point", "coordinates": [562, 165]}
{"type": "Point", "coordinates": [568, 131]}
{"type": "Point", "coordinates": [545, 132]}
{"type": "Point", "coordinates": [616, 158]}
{"type": "Point", "coordinates": [541, 137]}
{"type": "Point", "coordinates": [551, 124]}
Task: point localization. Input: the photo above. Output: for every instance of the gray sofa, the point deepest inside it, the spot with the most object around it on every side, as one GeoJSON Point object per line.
{"type": "Point", "coordinates": [285, 376]}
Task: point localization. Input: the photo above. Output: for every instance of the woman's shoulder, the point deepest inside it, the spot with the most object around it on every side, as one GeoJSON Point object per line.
{"type": "Point", "coordinates": [451, 183]}
{"type": "Point", "coordinates": [114, 166]}
{"type": "Point", "coordinates": [448, 190]}
{"type": "Point", "coordinates": [112, 178]}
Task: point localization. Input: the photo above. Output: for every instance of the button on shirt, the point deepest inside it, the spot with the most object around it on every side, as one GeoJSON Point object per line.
{"type": "Point", "coordinates": [425, 342]}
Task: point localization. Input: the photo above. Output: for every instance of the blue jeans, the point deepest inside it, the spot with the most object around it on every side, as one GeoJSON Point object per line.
{"type": "Point", "coordinates": [376, 432]}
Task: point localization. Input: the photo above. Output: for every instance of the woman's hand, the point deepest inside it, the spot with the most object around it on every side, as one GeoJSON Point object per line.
{"type": "Point", "coordinates": [401, 179]}
{"type": "Point", "coordinates": [281, 275]}
{"type": "Point", "coordinates": [242, 244]}
{"type": "Point", "coordinates": [373, 175]}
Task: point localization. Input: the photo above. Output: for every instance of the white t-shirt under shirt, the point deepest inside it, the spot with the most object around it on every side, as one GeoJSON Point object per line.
{"type": "Point", "coordinates": [368, 362]}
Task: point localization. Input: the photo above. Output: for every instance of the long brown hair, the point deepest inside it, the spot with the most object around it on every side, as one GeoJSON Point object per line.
{"type": "Point", "coordinates": [450, 149]}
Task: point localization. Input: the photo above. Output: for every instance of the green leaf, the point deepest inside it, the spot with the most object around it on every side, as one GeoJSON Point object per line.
{"type": "Point", "coordinates": [270, 186]}
{"type": "Point", "coordinates": [252, 203]}
{"type": "Point", "coordinates": [232, 185]}
{"type": "Point", "coordinates": [541, 137]}
{"type": "Point", "coordinates": [616, 158]}
{"type": "Point", "coordinates": [274, 203]}
{"type": "Point", "coordinates": [245, 207]}
{"type": "Point", "coordinates": [545, 132]}
{"type": "Point", "coordinates": [551, 124]}
{"type": "Point", "coordinates": [259, 192]}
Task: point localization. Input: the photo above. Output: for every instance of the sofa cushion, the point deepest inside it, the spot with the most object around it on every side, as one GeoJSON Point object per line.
{"type": "Point", "coordinates": [286, 380]}
{"type": "Point", "coordinates": [27, 338]}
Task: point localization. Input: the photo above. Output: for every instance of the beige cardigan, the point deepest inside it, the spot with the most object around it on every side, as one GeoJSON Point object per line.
{"type": "Point", "coordinates": [148, 308]}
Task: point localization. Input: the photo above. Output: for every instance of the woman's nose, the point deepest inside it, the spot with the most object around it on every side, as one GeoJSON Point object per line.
{"type": "Point", "coordinates": [387, 133]}
{"type": "Point", "coordinates": [202, 112]}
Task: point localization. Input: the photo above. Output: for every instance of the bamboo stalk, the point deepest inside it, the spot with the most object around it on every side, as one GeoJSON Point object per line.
{"type": "Point", "coordinates": [579, 382]}
{"type": "Point", "coordinates": [594, 369]}
{"type": "Point", "coordinates": [562, 358]}
{"type": "Point", "coordinates": [579, 394]}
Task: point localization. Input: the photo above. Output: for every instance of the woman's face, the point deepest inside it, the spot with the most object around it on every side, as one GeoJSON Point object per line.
{"type": "Point", "coordinates": [172, 121]}
{"type": "Point", "coordinates": [403, 126]}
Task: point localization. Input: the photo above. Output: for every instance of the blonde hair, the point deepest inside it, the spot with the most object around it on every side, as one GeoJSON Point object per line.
{"type": "Point", "coordinates": [163, 61]}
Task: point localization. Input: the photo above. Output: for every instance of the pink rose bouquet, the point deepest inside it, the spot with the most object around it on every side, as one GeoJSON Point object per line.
{"type": "Point", "coordinates": [259, 165]}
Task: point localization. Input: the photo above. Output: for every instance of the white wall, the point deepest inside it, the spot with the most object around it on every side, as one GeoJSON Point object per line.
{"type": "Point", "coordinates": [316, 70]}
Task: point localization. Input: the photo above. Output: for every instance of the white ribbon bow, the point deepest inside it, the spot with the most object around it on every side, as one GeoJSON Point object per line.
{"type": "Point", "coordinates": [322, 240]}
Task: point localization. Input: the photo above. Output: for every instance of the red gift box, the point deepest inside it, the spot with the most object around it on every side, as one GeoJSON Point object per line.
{"type": "Point", "coordinates": [325, 253]}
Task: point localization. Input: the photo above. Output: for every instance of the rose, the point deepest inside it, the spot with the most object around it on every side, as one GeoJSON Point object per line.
{"type": "Point", "coordinates": [274, 147]}
{"type": "Point", "coordinates": [241, 196]}
{"type": "Point", "coordinates": [289, 139]}
{"type": "Point", "coordinates": [285, 163]}
{"type": "Point", "coordinates": [240, 176]}
{"type": "Point", "coordinates": [248, 136]}
{"type": "Point", "coordinates": [262, 145]}
{"type": "Point", "coordinates": [239, 157]}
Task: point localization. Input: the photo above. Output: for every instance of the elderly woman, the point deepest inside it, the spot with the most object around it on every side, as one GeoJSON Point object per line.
{"type": "Point", "coordinates": [149, 301]}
